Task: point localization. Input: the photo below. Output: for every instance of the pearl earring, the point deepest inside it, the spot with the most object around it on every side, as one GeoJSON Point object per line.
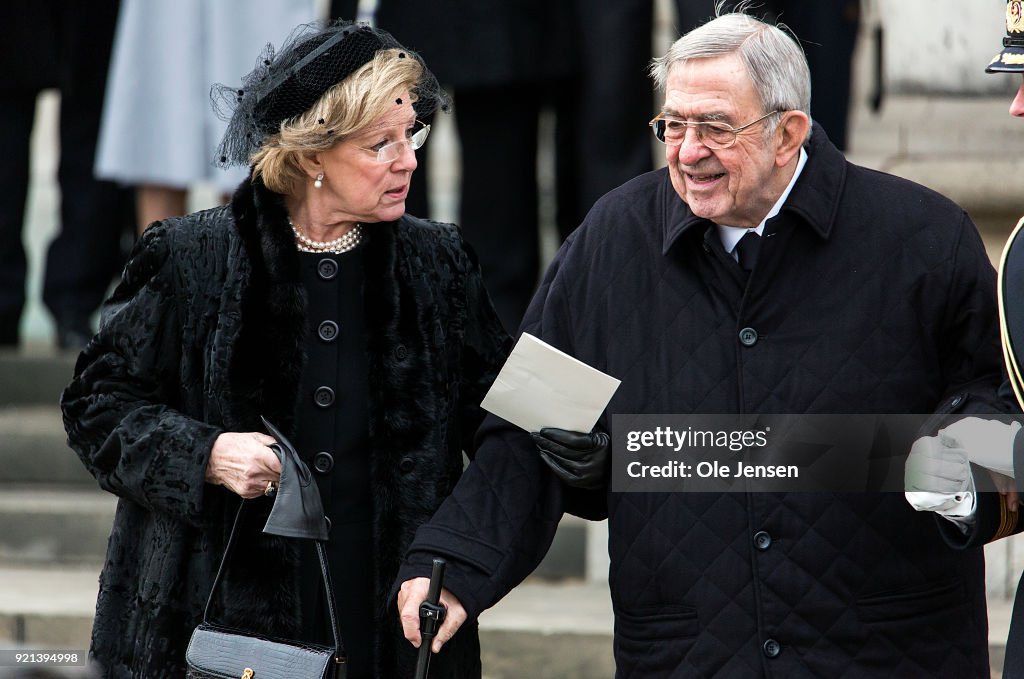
{"type": "Point", "coordinates": [319, 181]}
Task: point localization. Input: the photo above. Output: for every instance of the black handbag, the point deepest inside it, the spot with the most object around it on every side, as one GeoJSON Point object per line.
{"type": "Point", "coordinates": [219, 652]}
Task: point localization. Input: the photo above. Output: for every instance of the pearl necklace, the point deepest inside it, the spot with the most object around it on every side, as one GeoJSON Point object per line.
{"type": "Point", "coordinates": [352, 238]}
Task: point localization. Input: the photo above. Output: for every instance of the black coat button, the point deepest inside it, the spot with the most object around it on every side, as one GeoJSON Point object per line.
{"type": "Point", "coordinates": [748, 337]}
{"type": "Point", "coordinates": [762, 540]}
{"type": "Point", "coordinates": [406, 465]}
{"type": "Point", "coordinates": [401, 352]}
{"type": "Point", "coordinates": [328, 331]}
{"type": "Point", "coordinates": [327, 268]}
{"type": "Point", "coordinates": [323, 397]}
{"type": "Point", "coordinates": [328, 520]}
{"type": "Point", "coordinates": [323, 462]}
{"type": "Point", "coordinates": [771, 648]}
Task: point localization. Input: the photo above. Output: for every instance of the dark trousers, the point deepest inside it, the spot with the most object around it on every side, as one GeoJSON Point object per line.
{"type": "Point", "coordinates": [86, 253]}
{"type": "Point", "coordinates": [497, 129]}
{"type": "Point", "coordinates": [602, 135]}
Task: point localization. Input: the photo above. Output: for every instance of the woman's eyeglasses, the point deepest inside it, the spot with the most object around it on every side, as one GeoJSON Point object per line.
{"type": "Point", "coordinates": [416, 136]}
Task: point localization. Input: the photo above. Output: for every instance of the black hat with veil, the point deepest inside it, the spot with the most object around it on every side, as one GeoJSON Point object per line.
{"type": "Point", "coordinates": [288, 81]}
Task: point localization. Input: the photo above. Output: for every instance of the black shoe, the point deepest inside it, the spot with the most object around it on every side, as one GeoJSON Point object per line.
{"type": "Point", "coordinates": [73, 332]}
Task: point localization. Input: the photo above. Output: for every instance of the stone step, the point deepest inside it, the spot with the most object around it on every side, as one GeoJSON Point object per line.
{"type": "Point", "coordinates": [48, 606]}
{"type": "Point", "coordinates": [71, 524]}
{"type": "Point", "coordinates": [34, 375]}
{"type": "Point", "coordinates": [540, 630]}
{"type": "Point", "coordinates": [35, 450]}
{"type": "Point", "coordinates": [48, 524]}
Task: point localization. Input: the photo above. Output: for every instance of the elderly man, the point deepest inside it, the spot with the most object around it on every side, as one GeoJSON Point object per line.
{"type": "Point", "coordinates": [760, 272]}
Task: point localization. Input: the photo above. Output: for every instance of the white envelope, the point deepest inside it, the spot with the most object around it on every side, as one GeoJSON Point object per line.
{"type": "Point", "coordinates": [540, 386]}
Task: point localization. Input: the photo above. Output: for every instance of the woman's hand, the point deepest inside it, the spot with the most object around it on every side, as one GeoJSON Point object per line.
{"type": "Point", "coordinates": [412, 594]}
{"type": "Point", "coordinates": [243, 463]}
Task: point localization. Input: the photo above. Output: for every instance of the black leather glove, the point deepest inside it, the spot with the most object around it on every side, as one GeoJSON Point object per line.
{"type": "Point", "coordinates": [298, 511]}
{"type": "Point", "coordinates": [580, 460]}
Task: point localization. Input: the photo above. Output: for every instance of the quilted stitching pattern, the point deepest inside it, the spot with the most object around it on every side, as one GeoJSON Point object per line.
{"type": "Point", "coordinates": [859, 332]}
{"type": "Point", "coordinates": [887, 309]}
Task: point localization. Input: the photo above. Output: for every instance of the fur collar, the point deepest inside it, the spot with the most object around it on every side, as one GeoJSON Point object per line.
{"type": "Point", "coordinates": [273, 329]}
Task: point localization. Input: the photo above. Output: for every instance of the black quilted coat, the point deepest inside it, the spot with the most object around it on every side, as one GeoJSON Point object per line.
{"type": "Point", "coordinates": [203, 335]}
{"type": "Point", "coordinates": [871, 295]}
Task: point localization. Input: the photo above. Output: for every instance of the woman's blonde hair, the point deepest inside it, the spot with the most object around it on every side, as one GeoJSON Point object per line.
{"type": "Point", "coordinates": [345, 108]}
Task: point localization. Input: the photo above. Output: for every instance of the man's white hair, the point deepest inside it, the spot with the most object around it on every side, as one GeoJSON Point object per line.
{"type": "Point", "coordinates": [772, 57]}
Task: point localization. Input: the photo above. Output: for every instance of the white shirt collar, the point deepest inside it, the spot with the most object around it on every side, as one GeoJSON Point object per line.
{"type": "Point", "coordinates": [731, 235]}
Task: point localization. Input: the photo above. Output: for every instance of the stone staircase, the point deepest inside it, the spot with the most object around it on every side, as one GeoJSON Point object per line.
{"type": "Point", "coordinates": [54, 518]}
{"type": "Point", "coordinates": [54, 523]}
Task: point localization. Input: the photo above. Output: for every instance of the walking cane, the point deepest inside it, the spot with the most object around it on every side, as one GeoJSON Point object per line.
{"type": "Point", "coordinates": [431, 616]}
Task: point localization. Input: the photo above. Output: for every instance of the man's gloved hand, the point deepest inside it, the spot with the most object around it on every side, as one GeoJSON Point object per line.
{"type": "Point", "coordinates": [580, 460]}
{"type": "Point", "coordinates": [988, 443]}
{"type": "Point", "coordinates": [938, 477]}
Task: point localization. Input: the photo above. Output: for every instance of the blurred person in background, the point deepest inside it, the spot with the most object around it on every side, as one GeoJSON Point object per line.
{"type": "Point", "coordinates": [65, 45]}
{"type": "Point", "coordinates": [158, 132]}
{"type": "Point", "coordinates": [313, 299]}
{"type": "Point", "coordinates": [601, 112]}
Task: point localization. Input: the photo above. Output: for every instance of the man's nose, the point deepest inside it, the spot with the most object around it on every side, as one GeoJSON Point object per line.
{"type": "Point", "coordinates": [691, 149]}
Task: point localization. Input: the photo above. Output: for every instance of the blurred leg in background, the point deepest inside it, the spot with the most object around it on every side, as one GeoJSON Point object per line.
{"type": "Point", "coordinates": [87, 253]}
{"type": "Point", "coordinates": [29, 61]}
{"type": "Point", "coordinates": [499, 191]}
{"type": "Point", "coordinates": [66, 45]}
{"type": "Point", "coordinates": [602, 139]}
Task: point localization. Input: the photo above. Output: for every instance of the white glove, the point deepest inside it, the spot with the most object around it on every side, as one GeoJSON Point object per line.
{"type": "Point", "coordinates": [938, 477]}
{"type": "Point", "coordinates": [988, 442]}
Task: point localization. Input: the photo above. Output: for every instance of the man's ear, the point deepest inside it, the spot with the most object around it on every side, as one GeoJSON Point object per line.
{"type": "Point", "coordinates": [790, 135]}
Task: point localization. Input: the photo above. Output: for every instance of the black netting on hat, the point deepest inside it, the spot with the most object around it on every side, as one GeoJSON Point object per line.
{"type": "Point", "coordinates": [288, 81]}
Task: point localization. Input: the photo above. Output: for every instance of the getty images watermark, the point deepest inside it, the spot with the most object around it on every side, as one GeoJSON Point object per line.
{"type": "Point", "coordinates": [764, 453]}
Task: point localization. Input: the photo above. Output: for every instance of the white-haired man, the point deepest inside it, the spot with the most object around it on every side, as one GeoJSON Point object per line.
{"type": "Point", "coordinates": [760, 272]}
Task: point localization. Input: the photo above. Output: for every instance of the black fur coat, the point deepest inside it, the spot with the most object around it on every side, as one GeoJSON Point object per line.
{"type": "Point", "coordinates": [205, 334]}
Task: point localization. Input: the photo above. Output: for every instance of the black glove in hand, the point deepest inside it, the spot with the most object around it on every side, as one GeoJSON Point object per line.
{"type": "Point", "coordinates": [580, 460]}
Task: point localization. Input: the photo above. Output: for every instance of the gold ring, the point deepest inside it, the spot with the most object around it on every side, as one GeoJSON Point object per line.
{"type": "Point", "coordinates": [271, 487]}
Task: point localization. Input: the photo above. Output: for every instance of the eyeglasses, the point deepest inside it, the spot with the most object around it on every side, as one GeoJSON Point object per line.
{"type": "Point", "coordinates": [415, 137]}
{"type": "Point", "coordinates": [671, 130]}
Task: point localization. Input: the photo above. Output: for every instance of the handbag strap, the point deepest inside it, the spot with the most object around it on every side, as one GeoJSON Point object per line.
{"type": "Point", "coordinates": [325, 572]}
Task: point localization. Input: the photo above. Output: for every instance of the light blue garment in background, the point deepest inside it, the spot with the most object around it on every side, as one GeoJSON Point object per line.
{"type": "Point", "coordinates": [158, 124]}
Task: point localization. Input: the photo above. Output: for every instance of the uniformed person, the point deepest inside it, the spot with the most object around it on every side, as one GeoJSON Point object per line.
{"type": "Point", "coordinates": [974, 519]}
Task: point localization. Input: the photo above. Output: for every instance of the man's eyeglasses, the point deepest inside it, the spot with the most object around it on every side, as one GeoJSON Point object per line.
{"type": "Point", "coordinates": [415, 137]}
{"type": "Point", "coordinates": [671, 130]}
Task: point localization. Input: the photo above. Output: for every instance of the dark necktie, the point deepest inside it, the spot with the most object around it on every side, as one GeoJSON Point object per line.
{"type": "Point", "coordinates": [746, 250]}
